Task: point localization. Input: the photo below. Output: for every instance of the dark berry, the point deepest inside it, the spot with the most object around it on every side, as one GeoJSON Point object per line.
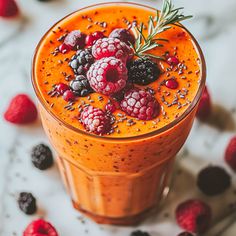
{"type": "Point", "coordinates": [41, 157]}
{"type": "Point", "coordinates": [92, 38]}
{"type": "Point", "coordinates": [171, 83]}
{"type": "Point", "coordinates": [80, 86]}
{"type": "Point", "coordinates": [213, 180]}
{"type": "Point", "coordinates": [68, 96]}
{"type": "Point", "coordinates": [172, 60]}
{"type": "Point", "coordinates": [123, 35]}
{"type": "Point", "coordinates": [61, 88]}
{"type": "Point", "coordinates": [143, 71]}
{"type": "Point", "coordinates": [185, 234]}
{"type": "Point", "coordinates": [81, 61]}
{"type": "Point", "coordinates": [139, 233]}
{"type": "Point", "coordinates": [63, 48]}
{"type": "Point", "coordinates": [75, 40]}
{"type": "Point", "coordinates": [27, 203]}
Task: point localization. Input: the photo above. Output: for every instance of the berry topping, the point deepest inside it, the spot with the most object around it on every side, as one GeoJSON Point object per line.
{"type": "Point", "coordinates": [185, 234]}
{"type": "Point", "coordinates": [172, 60]}
{"type": "Point", "coordinates": [139, 233]}
{"type": "Point", "coordinates": [80, 86]}
{"type": "Point", "coordinates": [75, 40]}
{"type": "Point", "coordinates": [213, 180]}
{"type": "Point", "coordinates": [61, 88]}
{"type": "Point", "coordinates": [41, 157]}
{"type": "Point", "coordinates": [92, 38]}
{"type": "Point", "coordinates": [110, 107]}
{"type": "Point", "coordinates": [107, 75]}
{"type": "Point", "coordinates": [27, 203]}
{"type": "Point", "coordinates": [40, 228]}
{"type": "Point", "coordinates": [140, 104]}
{"type": "Point", "coordinates": [171, 83]}
{"type": "Point", "coordinates": [193, 215]}
{"type": "Point", "coordinates": [230, 154]}
{"type": "Point", "coordinates": [21, 110]}
{"type": "Point", "coordinates": [143, 71]}
{"type": "Point", "coordinates": [81, 61]}
{"type": "Point", "coordinates": [123, 35]}
{"type": "Point", "coordinates": [68, 96]}
{"type": "Point", "coordinates": [8, 8]}
{"type": "Point", "coordinates": [63, 48]}
{"type": "Point", "coordinates": [111, 47]}
{"type": "Point", "coordinates": [95, 120]}
{"type": "Point", "coordinates": [204, 107]}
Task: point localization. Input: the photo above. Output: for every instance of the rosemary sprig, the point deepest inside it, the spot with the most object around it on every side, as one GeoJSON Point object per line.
{"type": "Point", "coordinates": [164, 20]}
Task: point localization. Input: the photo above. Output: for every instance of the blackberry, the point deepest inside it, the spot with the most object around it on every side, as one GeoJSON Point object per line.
{"type": "Point", "coordinates": [41, 157]}
{"type": "Point", "coordinates": [27, 203]}
{"type": "Point", "coordinates": [143, 71]}
{"type": "Point", "coordinates": [81, 61]}
{"type": "Point", "coordinates": [80, 86]}
{"type": "Point", "coordinates": [139, 233]}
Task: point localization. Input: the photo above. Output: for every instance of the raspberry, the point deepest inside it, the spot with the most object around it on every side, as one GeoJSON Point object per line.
{"type": "Point", "coordinates": [143, 71]}
{"type": "Point", "coordinates": [61, 88]}
{"type": "Point", "coordinates": [213, 180]}
{"type": "Point", "coordinates": [81, 61]}
{"type": "Point", "coordinates": [204, 107]}
{"type": "Point", "coordinates": [68, 96]}
{"type": "Point", "coordinates": [27, 203]}
{"type": "Point", "coordinates": [111, 47]}
{"type": "Point", "coordinates": [185, 234]}
{"type": "Point", "coordinates": [80, 86]}
{"type": "Point", "coordinates": [139, 233]}
{"type": "Point", "coordinates": [107, 75]}
{"type": "Point", "coordinates": [40, 228]}
{"type": "Point", "coordinates": [21, 110]}
{"type": "Point", "coordinates": [95, 120]}
{"type": "Point", "coordinates": [92, 38]}
{"type": "Point", "coordinates": [41, 157]}
{"type": "Point", "coordinates": [123, 35]}
{"type": "Point", "coordinates": [140, 104]}
{"type": "Point", "coordinates": [75, 40]}
{"type": "Point", "coordinates": [194, 216]}
{"type": "Point", "coordinates": [230, 154]}
{"type": "Point", "coordinates": [8, 8]}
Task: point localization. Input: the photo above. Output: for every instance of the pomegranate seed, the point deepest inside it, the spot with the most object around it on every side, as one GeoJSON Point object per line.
{"type": "Point", "coordinates": [61, 88]}
{"type": "Point", "coordinates": [110, 107]}
{"type": "Point", "coordinates": [68, 95]}
{"type": "Point", "coordinates": [64, 48]}
{"type": "Point", "coordinates": [172, 60]}
{"type": "Point", "coordinates": [171, 83]}
{"type": "Point", "coordinates": [92, 38]}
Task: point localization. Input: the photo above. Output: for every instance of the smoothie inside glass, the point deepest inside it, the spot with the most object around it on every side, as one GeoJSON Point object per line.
{"type": "Point", "coordinates": [117, 178]}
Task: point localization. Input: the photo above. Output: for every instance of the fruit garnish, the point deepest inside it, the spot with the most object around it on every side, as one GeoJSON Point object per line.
{"type": "Point", "coordinates": [139, 233]}
{"type": "Point", "coordinates": [164, 20]}
{"type": "Point", "coordinates": [61, 88]}
{"type": "Point", "coordinates": [205, 106]}
{"type": "Point", "coordinates": [92, 38]}
{"type": "Point", "coordinates": [68, 96]}
{"type": "Point", "coordinates": [8, 8]}
{"type": "Point", "coordinates": [27, 203]}
{"type": "Point", "coordinates": [185, 234]}
{"type": "Point", "coordinates": [75, 40]}
{"type": "Point", "coordinates": [171, 83]}
{"type": "Point", "coordinates": [123, 35]}
{"type": "Point", "coordinates": [230, 154]}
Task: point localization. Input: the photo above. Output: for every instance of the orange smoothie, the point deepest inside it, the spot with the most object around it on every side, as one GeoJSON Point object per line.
{"type": "Point", "coordinates": [118, 176]}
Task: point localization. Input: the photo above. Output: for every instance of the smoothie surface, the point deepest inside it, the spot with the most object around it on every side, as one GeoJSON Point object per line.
{"type": "Point", "coordinates": [52, 68]}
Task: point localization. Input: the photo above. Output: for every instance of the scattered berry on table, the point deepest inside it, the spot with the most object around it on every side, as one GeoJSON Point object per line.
{"type": "Point", "coordinates": [81, 61]}
{"type": "Point", "coordinates": [68, 96]}
{"type": "Point", "coordinates": [75, 40]}
{"type": "Point", "coordinates": [92, 38]}
{"type": "Point", "coordinates": [123, 35]}
{"type": "Point", "coordinates": [27, 203]}
{"type": "Point", "coordinates": [8, 8]}
{"type": "Point", "coordinates": [41, 157]}
{"type": "Point", "coordinates": [107, 75]}
{"type": "Point", "coordinates": [194, 216]}
{"type": "Point", "coordinates": [140, 104]}
{"type": "Point", "coordinates": [40, 227]}
{"type": "Point", "coordinates": [80, 86]}
{"type": "Point", "coordinates": [205, 106]}
{"type": "Point", "coordinates": [111, 47]}
{"type": "Point", "coordinates": [95, 120]}
{"type": "Point", "coordinates": [21, 110]}
{"type": "Point", "coordinates": [143, 71]}
{"type": "Point", "coordinates": [213, 180]}
{"type": "Point", "coordinates": [171, 83]}
{"type": "Point", "coordinates": [185, 234]}
{"type": "Point", "coordinates": [139, 233]}
{"type": "Point", "coordinates": [61, 88]}
{"type": "Point", "coordinates": [172, 60]}
{"type": "Point", "coordinates": [230, 153]}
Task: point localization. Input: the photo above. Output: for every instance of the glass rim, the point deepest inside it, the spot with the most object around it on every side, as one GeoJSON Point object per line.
{"type": "Point", "coordinates": [137, 137]}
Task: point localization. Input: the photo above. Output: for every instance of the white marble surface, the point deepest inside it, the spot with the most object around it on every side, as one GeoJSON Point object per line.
{"type": "Point", "coordinates": [215, 28]}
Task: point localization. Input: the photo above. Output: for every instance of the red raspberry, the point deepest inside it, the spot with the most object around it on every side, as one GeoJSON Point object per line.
{"type": "Point", "coordinates": [111, 47]}
{"type": "Point", "coordinates": [75, 40]}
{"type": "Point", "coordinates": [193, 215]}
{"type": "Point", "coordinates": [107, 75]}
{"type": "Point", "coordinates": [92, 38]}
{"type": "Point", "coordinates": [95, 120]}
{"type": "Point", "coordinates": [21, 110]}
{"type": "Point", "coordinates": [204, 107]}
{"type": "Point", "coordinates": [40, 228]}
{"type": "Point", "coordinates": [230, 153]}
{"type": "Point", "coordinates": [8, 8]}
{"type": "Point", "coordinates": [124, 35]}
{"type": "Point", "coordinates": [140, 104]}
